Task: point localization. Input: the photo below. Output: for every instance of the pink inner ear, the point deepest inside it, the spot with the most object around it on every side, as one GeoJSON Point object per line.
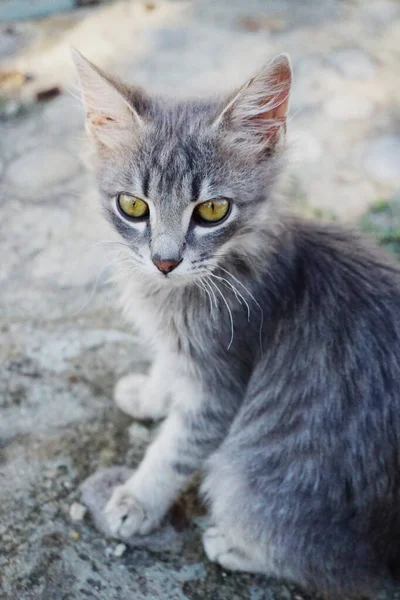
{"type": "Point", "coordinates": [281, 79]}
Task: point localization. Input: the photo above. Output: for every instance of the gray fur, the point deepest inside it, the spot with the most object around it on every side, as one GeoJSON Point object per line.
{"type": "Point", "coordinates": [282, 341]}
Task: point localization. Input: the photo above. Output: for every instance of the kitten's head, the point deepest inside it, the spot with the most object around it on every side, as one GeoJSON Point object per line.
{"type": "Point", "coordinates": [187, 184]}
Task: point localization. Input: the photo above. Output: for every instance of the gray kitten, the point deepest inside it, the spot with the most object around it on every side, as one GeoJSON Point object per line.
{"type": "Point", "coordinates": [276, 340]}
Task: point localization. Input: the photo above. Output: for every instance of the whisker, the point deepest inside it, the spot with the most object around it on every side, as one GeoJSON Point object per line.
{"type": "Point", "coordinates": [254, 300]}
{"type": "Point", "coordinates": [238, 295]}
{"type": "Point", "coordinates": [238, 258]}
{"type": "Point", "coordinates": [128, 266]}
{"type": "Point", "coordinates": [206, 282]}
{"type": "Point", "coordinates": [229, 311]}
{"type": "Point", "coordinates": [117, 243]}
{"type": "Point", "coordinates": [94, 289]}
{"type": "Point", "coordinates": [213, 301]}
{"type": "Point", "coordinates": [200, 285]}
{"type": "Point", "coordinates": [227, 283]}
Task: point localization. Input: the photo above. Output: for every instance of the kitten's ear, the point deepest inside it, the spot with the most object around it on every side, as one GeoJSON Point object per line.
{"type": "Point", "coordinates": [257, 112]}
{"type": "Point", "coordinates": [110, 118]}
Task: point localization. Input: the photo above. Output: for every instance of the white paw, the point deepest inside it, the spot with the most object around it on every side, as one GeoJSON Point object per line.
{"type": "Point", "coordinates": [221, 549]}
{"type": "Point", "coordinates": [126, 516]}
{"type": "Point", "coordinates": [215, 543]}
{"type": "Point", "coordinates": [134, 396]}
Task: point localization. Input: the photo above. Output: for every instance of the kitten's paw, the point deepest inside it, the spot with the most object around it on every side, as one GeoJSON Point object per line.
{"type": "Point", "coordinates": [125, 515]}
{"type": "Point", "coordinates": [133, 396]}
{"type": "Point", "coordinates": [215, 543]}
{"type": "Point", "coordinates": [222, 550]}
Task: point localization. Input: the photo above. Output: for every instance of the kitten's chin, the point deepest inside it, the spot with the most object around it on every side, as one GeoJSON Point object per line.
{"type": "Point", "coordinates": [176, 280]}
{"type": "Point", "coordinates": [172, 280]}
{"type": "Point", "coordinates": [157, 280]}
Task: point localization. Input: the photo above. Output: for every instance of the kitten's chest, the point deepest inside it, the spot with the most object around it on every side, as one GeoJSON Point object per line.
{"type": "Point", "coordinates": [166, 320]}
{"type": "Point", "coordinates": [184, 324]}
{"type": "Point", "coordinates": [178, 328]}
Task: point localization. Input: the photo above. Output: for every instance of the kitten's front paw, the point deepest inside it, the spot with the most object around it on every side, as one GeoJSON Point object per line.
{"type": "Point", "coordinates": [215, 543]}
{"type": "Point", "coordinates": [134, 395]}
{"type": "Point", "coordinates": [126, 516]}
{"type": "Point", "coordinates": [128, 395]}
{"type": "Point", "coordinates": [233, 555]}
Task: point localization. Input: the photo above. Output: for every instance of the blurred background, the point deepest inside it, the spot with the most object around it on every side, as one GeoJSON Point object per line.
{"type": "Point", "coordinates": [62, 342]}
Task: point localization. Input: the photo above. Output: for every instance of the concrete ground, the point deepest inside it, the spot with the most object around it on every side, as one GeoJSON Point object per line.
{"type": "Point", "coordinates": [62, 343]}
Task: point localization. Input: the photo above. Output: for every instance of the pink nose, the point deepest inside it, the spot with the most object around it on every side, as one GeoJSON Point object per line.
{"type": "Point", "coordinates": [166, 266]}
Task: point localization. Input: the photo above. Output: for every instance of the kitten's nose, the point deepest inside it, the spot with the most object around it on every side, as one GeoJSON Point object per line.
{"type": "Point", "coordinates": [166, 266]}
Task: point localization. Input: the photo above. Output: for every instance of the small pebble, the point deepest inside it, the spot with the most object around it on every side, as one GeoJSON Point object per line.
{"type": "Point", "coordinates": [75, 535]}
{"type": "Point", "coordinates": [119, 550]}
{"type": "Point", "coordinates": [77, 512]}
{"type": "Point", "coordinates": [48, 94]}
{"type": "Point", "coordinates": [139, 434]}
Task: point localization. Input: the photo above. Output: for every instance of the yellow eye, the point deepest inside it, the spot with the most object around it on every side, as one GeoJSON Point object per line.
{"type": "Point", "coordinates": [212, 211]}
{"type": "Point", "coordinates": [132, 207]}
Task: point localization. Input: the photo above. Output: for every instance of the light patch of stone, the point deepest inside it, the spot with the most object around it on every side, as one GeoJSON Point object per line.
{"type": "Point", "coordinates": [383, 12]}
{"type": "Point", "coordinates": [349, 107]}
{"type": "Point", "coordinates": [14, 37]}
{"type": "Point", "coordinates": [10, 109]}
{"type": "Point", "coordinates": [38, 169]}
{"type": "Point", "coordinates": [192, 572]}
{"type": "Point", "coordinates": [314, 81]}
{"type": "Point", "coordinates": [21, 217]}
{"type": "Point", "coordinates": [73, 262]}
{"type": "Point", "coordinates": [305, 146]}
{"type": "Point", "coordinates": [382, 160]}
{"type": "Point", "coordinates": [63, 115]}
{"type": "Point", "coordinates": [353, 63]}
{"type": "Point", "coordinates": [53, 351]}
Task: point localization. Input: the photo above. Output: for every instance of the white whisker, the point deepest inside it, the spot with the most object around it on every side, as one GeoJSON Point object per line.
{"type": "Point", "coordinates": [254, 300]}
{"type": "Point", "coordinates": [206, 282]}
{"type": "Point", "coordinates": [239, 297]}
{"type": "Point", "coordinates": [201, 286]}
{"type": "Point", "coordinates": [94, 289]}
{"type": "Point", "coordinates": [229, 310]}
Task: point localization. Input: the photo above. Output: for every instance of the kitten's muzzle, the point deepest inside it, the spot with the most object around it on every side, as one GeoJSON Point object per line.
{"type": "Point", "coordinates": [166, 266]}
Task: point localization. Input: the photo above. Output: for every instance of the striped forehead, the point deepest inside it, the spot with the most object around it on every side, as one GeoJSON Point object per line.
{"type": "Point", "coordinates": [174, 171]}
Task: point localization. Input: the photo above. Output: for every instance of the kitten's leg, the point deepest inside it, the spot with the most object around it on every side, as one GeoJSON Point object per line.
{"type": "Point", "coordinates": [230, 550]}
{"type": "Point", "coordinates": [146, 396]}
{"type": "Point", "coordinates": [277, 534]}
{"type": "Point", "coordinates": [190, 433]}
